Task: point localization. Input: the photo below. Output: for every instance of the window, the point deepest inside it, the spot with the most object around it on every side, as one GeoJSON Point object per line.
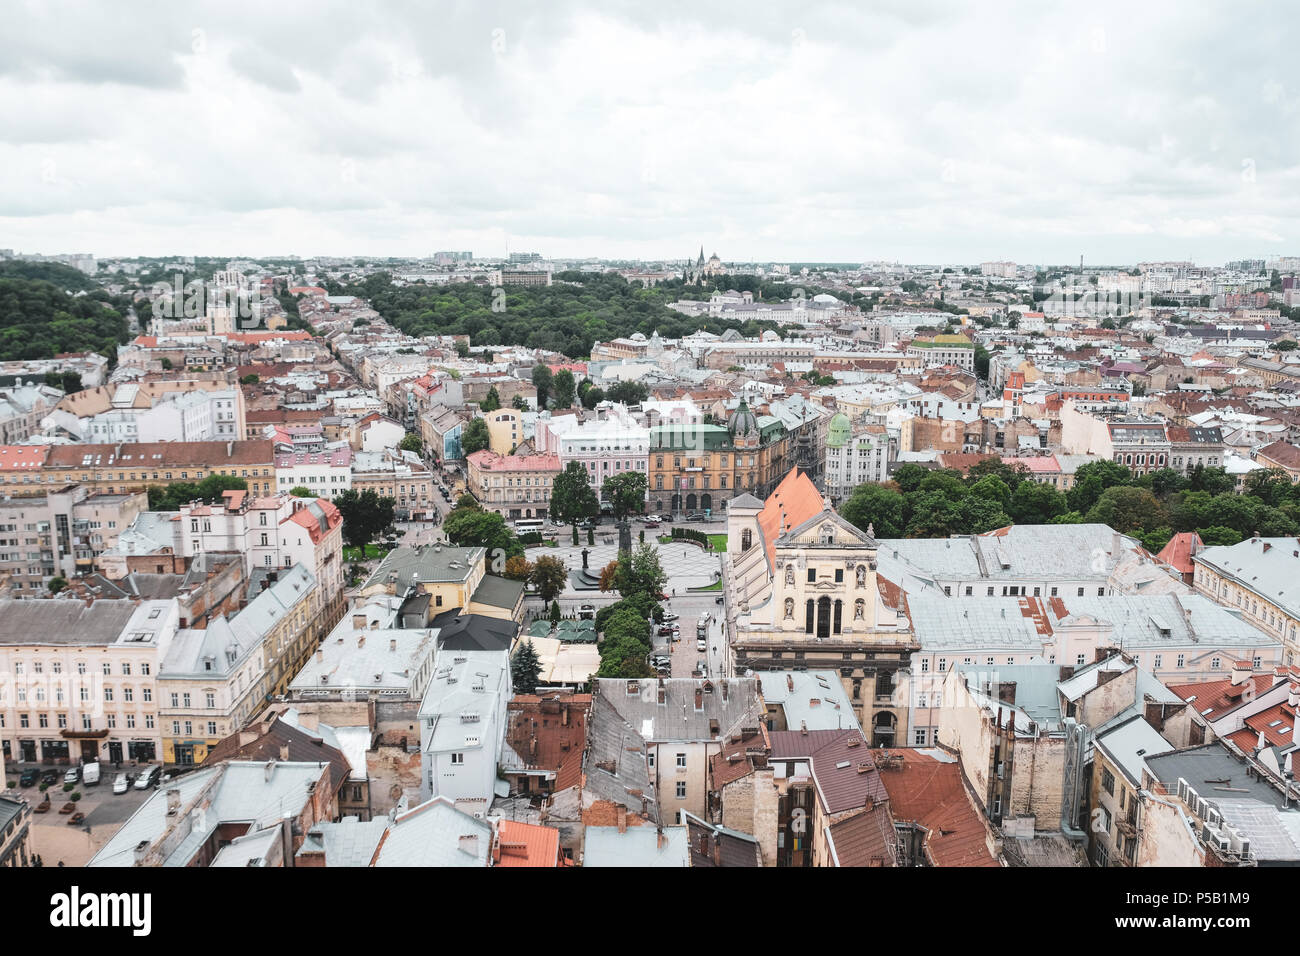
{"type": "Point", "coordinates": [457, 758]}
{"type": "Point", "coordinates": [1080, 592]}
{"type": "Point", "coordinates": [1108, 781]}
{"type": "Point", "coordinates": [812, 575]}
{"type": "Point", "coordinates": [126, 669]}
{"type": "Point", "coordinates": [839, 576]}
{"type": "Point", "coordinates": [1159, 661]}
{"type": "Point", "coordinates": [925, 665]}
{"type": "Point", "coordinates": [212, 728]}
{"type": "Point", "coordinates": [146, 694]}
{"type": "Point", "coordinates": [681, 789]}
{"type": "Point", "coordinates": [681, 761]}
{"type": "Point", "coordinates": [920, 739]}
{"type": "Point", "coordinates": [189, 728]}
{"type": "Point", "coordinates": [1214, 663]}
{"type": "Point", "coordinates": [1079, 661]}
{"type": "Point", "coordinates": [1180, 661]}
{"type": "Point", "coordinates": [176, 700]}
{"type": "Point", "coordinates": [943, 664]}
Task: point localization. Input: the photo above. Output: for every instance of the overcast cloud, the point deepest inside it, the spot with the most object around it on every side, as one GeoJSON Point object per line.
{"type": "Point", "coordinates": [919, 131]}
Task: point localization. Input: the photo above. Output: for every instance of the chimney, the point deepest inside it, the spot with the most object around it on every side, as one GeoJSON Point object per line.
{"type": "Point", "coordinates": [392, 644]}
{"type": "Point", "coordinates": [789, 682]}
{"type": "Point", "coordinates": [803, 727]}
{"type": "Point", "coordinates": [359, 621]}
{"type": "Point", "coordinates": [1240, 672]}
{"type": "Point", "coordinates": [140, 852]}
{"type": "Point", "coordinates": [173, 801]}
{"type": "Point", "coordinates": [661, 693]}
{"type": "Point", "coordinates": [622, 819]}
{"type": "Point", "coordinates": [660, 839]}
{"type": "Point", "coordinates": [320, 657]}
{"type": "Point", "coordinates": [268, 770]}
{"type": "Point", "coordinates": [247, 737]}
{"type": "Point", "coordinates": [284, 751]}
{"type": "Point", "coordinates": [1293, 694]}
{"type": "Point", "coordinates": [699, 698]}
{"type": "Point", "coordinates": [361, 642]}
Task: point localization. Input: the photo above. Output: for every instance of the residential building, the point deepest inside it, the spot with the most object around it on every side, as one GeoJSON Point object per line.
{"type": "Point", "coordinates": [122, 468]}
{"type": "Point", "coordinates": [463, 722]}
{"type": "Point", "coordinates": [1252, 579]}
{"type": "Point", "coordinates": [514, 486]}
{"type": "Point", "coordinates": [81, 679]}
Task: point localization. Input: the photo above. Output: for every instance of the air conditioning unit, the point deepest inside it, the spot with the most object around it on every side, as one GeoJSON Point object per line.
{"type": "Point", "coordinates": [1213, 817]}
{"type": "Point", "coordinates": [1182, 789]}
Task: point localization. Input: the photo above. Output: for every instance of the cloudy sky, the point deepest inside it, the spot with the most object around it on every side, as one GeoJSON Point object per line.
{"type": "Point", "coordinates": [914, 130]}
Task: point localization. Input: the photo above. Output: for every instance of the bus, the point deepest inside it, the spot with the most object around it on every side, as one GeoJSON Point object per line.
{"type": "Point", "coordinates": [528, 526]}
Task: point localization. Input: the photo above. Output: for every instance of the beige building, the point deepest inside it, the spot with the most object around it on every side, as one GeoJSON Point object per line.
{"type": "Point", "coordinates": [1256, 579]}
{"type": "Point", "coordinates": [514, 486]}
{"type": "Point", "coordinates": [505, 430]}
{"type": "Point", "coordinates": [802, 590]}
{"type": "Point", "coordinates": [216, 679]}
{"type": "Point", "coordinates": [80, 681]}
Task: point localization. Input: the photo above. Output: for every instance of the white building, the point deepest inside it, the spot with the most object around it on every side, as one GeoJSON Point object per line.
{"type": "Point", "coordinates": [462, 724]}
{"type": "Point", "coordinates": [605, 447]}
{"type": "Point", "coordinates": [325, 473]}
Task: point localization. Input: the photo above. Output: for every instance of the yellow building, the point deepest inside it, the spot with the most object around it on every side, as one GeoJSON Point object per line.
{"type": "Point", "coordinates": [505, 430]}
{"type": "Point", "coordinates": [437, 578]}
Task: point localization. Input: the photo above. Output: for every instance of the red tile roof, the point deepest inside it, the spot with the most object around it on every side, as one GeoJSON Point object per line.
{"type": "Point", "coordinates": [841, 762]}
{"type": "Point", "coordinates": [1277, 724]}
{"type": "Point", "coordinates": [537, 732]}
{"type": "Point", "coordinates": [791, 503]}
{"type": "Point", "coordinates": [22, 457]}
{"type": "Point", "coordinates": [1220, 696]}
{"type": "Point", "coordinates": [867, 839]}
{"type": "Point", "coordinates": [525, 844]}
{"type": "Point", "coordinates": [489, 461]}
{"type": "Point", "coordinates": [1179, 551]}
{"type": "Point", "coordinates": [930, 793]}
{"type": "Point", "coordinates": [305, 518]}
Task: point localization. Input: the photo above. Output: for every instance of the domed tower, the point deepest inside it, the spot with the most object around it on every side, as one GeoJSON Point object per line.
{"type": "Point", "coordinates": [743, 425]}
{"type": "Point", "coordinates": [838, 431]}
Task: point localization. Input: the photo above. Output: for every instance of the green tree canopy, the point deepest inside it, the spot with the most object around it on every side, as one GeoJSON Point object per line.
{"type": "Point", "coordinates": [365, 515]}
{"type": "Point", "coordinates": [626, 492]}
{"type": "Point", "coordinates": [475, 436]}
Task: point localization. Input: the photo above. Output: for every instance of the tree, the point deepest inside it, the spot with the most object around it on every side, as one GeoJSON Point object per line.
{"type": "Point", "coordinates": [626, 492]}
{"type": "Point", "coordinates": [627, 393]}
{"type": "Point", "coordinates": [592, 396]}
{"type": "Point", "coordinates": [210, 489]}
{"type": "Point", "coordinates": [1035, 503]}
{"type": "Point", "coordinates": [365, 515]}
{"type": "Point", "coordinates": [1286, 345]}
{"type": "Point", "coordinates": [1270, 485]}
{"type": "Point", "coordinates": [555, 612]}
{"type": "Point", "coordinates": [1127, 509]}
{"type": "Point", "coordinates": [475, 436]}
{"type": "Point", "coordinates": [525, 668]}
{"type": "Point", "coordinates": [549, 576]}
{"type": "Point", "coordinates": [640, 572]}
{"type": "Point", "coordinates": [411, 442]}
{"type": "Point", "coordinates": [519, 402]}
{"type": "Point", "coordinates": [518, 568]}
{"type": "Point", "coordinates": [299, 491]}
{"type": "Point", "coordinates": [572, 498]}
{"type": "Point", "coordinates": [491, 401]}
{"type": "Point", "coordinates": [876, 506]}
{"type": "Point", "coordinates": [250, 379]}
{"type": "Point", "coordinates": [908, 477]}
{"type": "Point", "coordinates": [166, 363]}
{"type": "Point", "coordinates": [1214, 480]}
{"type": "Point", "coordinates": [57, 584]}
{"type": "Point", "coordinates": [562, 389]}
{"type": "Point", "coordinates": [542, 379]}
{"type": "Point", "coordinates": [609, 576]}
{"type": "Point", "coordinates": [1091, 480]}
{"type": "Point", "coordinates": [472, 527]}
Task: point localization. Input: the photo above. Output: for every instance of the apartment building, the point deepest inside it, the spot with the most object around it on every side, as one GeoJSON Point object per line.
{"type": "Point", "coordinates": [855, 456]}
{"type": "Point", "coordinates": [324, 473]}
{"type": "Point", "coordinates": [214, 680]}
{"type": "Point", "coordinates": [59, 534]}
{"type": "Point", "coordinates": [605, 447]}
{"type": "Point", "coordinates": [81, 679]}
{"type": "Point", "coordinates": [123, 468]}
{"type": "Point", "coordinates": [1255, 579]}
{"type": "Point", "coordinates": [400, 475]}
{"type": "Point", "coordinates": [514, 486]}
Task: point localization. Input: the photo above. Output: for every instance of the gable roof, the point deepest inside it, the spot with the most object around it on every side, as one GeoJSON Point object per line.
{"type": "Point", "coordinates": [929, 792]}
{"type": "Point", "coordinates": [791, 503]}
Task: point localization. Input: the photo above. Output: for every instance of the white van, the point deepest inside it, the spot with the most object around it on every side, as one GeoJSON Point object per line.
{"type": "Point", "coordinates": [90, 774]}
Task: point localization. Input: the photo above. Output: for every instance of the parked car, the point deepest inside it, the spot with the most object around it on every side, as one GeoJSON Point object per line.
{"type": "Point", "coordinates": [652, 524]}
{"type": "Point", "coordinates": [670, 616]}
{"type": "Point", "coordinates": [50, 777]}
{"type": "Point", "coordinates": [695, 516]}
{"type": "Point", "coordinates": [29, 777]}
{"type": "Point", "coordinates": [73, 774]}
{"type": "Point", "coordinates": [665, 632]}
{"type": "Point", "coordinates": [90, 773]}
{"type": "Point", "coordinates": [587, 610]}
{"type": "Point", "coordinates": [666, 519]}
{"type": "Point", "coordinates": [148, 777]}
{"type": "Point", "coordinates": [121, 783]}
{"type": "Point", "coordinates": [717, 600]}
{"type": "Point", "coordinates": [660, 659]}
